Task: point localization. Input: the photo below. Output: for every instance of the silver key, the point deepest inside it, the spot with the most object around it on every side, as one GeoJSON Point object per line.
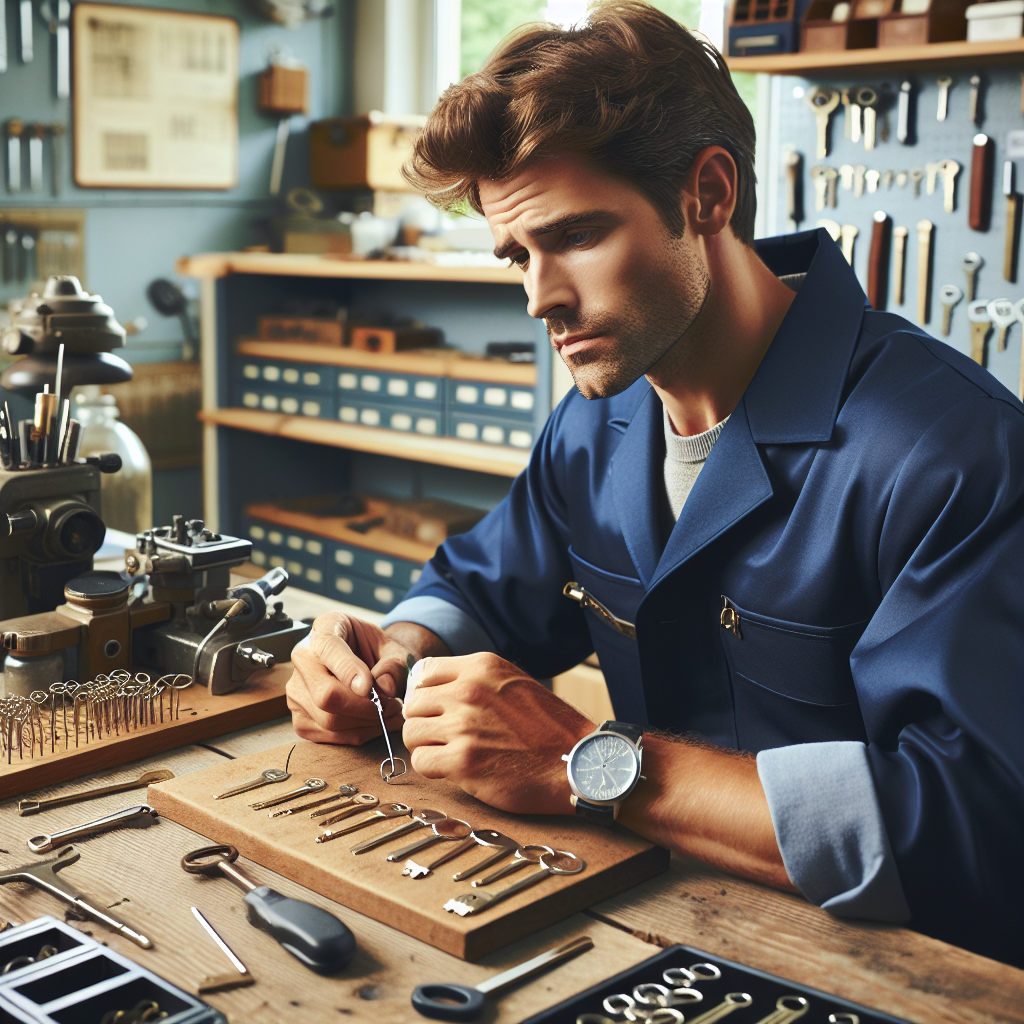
{"type": "Point", "coordinates": [270, 776]}
{"type": "Point", "coordinates": [871, 180]}
{"type": "Point", "coordinates": [846, 176]}
{"type": "Point", "coordinates": [559, 863]}
{"type": "Point", "coordinates": [974, 107]}
{"type": "Point", "coordinates": [1004, 316]}
{"type": "Point", "coordinates": [504, 847]}
{"type": "Point", "coordinates": [343, 791]}
{"type": "Point", "coordinates": [859, 173]}
{"type": "Point", "coordinates": [733, 1001]}
{"type": "Point", "coordinates": [449, 829]}
{"type": "Point", "coordinates": [887, 178]}
{"type": "Point", "coordinates": [903, 115]}
{"type": "Point", "coordinates": [916, 174]}
{"type": "Point", "coordinates": [972, 263]}
{"type": "Point", "coordinates": [931, 172]}
{"type": "Point", "coordinates": [867, 98]}
{"type": "Point", "coordinates": [848, 233]}
{"type": "Point", "coordinates": [856, 121]}
{"type": "Point", "coordinates": [382, 813]}
{"type": "Point", "coordinates": [524, 855]}
{"type": "Point", "coordinates": [361, 802]}
{"type": "Point", "coordinates": [943, 105]}
{"type": "Point", "coordinates": [310, 786]}
{"type": "Point", "coordinates": [901, 179]}
{"type": "Point", "coordinates": [822, 102]}
{"type": "Point", "coordinates": [478, 837]}
{"type": "Point", "coordinates": [420, 819]}
{"type": "Point", "coordinates": [134, 817]}
{"type": "Point", "coordinates": [949, 169]}
{"type": "Point", "coordinates": [949, 296]}
{"type": "Point", "coordinates": [846, 99]}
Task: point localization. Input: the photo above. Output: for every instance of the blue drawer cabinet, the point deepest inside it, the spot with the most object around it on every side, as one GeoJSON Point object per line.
{"type": "Point", "coordinates": [356, 409]}
{"type": "Point", "coordinates": [290, 376]}
{"type": "Point", "coordinates": [259, 397]}
{"type": "Point", "coordinates": [491, 429]}
{"type": "Point", "coordinates": [406, 389]}
{"type": "Point", "coordinates": [504, 401]}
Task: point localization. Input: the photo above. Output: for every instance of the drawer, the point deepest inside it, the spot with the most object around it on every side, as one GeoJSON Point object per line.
{"type": "Point", "coordinates": [505, 401]}
{"type": "Point", "coordinates": [409, 390]}
{"type": "Point", "coordinates": [407, 420]}
{"type": "Point", "coordinates": [399, 573]}
{"type": "Point", "coordinates": [365, 593]}
{"type": "Point", "coordinates": [318, 406]}
{"type": "Point", "coordinates": [295, 377]}
{"type": "Point", "coordinates": [491, 430]}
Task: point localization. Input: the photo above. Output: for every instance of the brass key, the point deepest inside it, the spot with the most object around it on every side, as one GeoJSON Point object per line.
{"type": "Point", "coordinates": [822, 102]}
{"type": "Point", "coordinates": [848, 104]}
{"type": "Point", "coordinates": [450, 828]}
{"type": "Point", "coordinates": [820, 186]}
{"type": "Point", "coordinates": [949, 296]}
{"type": "Point", "coordinates": [343, 791]}
{"type": "Point", "coordinates": [733, 1001]}
{"type": "Point", "coordinates": [382, 813]}
{"type": "Point", "coordinates": [362, 802]}
{"type": "Point", "coordinates": [267, 778]}
{"type": "Point", "coordinates": [310, 786]}
{"type": "Point", "coordinates": [949, 169]}
{"type": "Point", "coordinates": [1004, 317]}
{"type": "Point", "coordinates": [943, 105]}
{"type": "Point", "coordinates": [924, 270]}
{"type": "Point", "coordinates": [420, 819]}
{"type": "Point", "coordinates": [901, 178]}
{"type": "Point", "coordinates": [899, 255]}
{"type": "Point", "coordinates": [888, 178]}
{"type": "Point", "coordinates": [848, 233]}
{"type": "Point", "coordinates": [787, 1008]}
{"type": "Point", "coordinates": [972, 263]}
{"type": "Point", "coordinates": [524, 855]}
{"type": "Point", "coordinates": [981, 328]}
{"type": "Point", "coordinates": [867, 98]}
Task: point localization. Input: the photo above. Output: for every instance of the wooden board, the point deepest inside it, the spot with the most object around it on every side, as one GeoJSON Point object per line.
{"type": "Point", "coordinates": [615, 860]}
{"type": "Point", "coordinates": [260, 699]}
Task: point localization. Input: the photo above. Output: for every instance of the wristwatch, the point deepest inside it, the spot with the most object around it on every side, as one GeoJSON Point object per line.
{"type": "Point", "coordinates": [603, 768]}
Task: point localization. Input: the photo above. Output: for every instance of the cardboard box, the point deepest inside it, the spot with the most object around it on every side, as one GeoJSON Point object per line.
{"type": "Point", "coordinates": [998, 19]}
{"type": "Point", "coordinates": [394, 339]}
{"type": "Point", "coordinates": [364, 152]}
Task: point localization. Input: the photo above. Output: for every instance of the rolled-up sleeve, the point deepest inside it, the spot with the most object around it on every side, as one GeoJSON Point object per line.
{"type": "Point", "coordinates": [461, 632]}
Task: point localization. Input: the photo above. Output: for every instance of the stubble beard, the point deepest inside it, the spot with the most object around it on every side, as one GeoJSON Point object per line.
{"type": "Point", "coordinates": [655, 319]}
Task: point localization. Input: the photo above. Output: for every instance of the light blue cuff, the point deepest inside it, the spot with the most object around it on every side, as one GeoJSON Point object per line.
{"type": "Point", "coordinates": [830, 830]}
{"type": "Point", "coordinates": [462, 634]}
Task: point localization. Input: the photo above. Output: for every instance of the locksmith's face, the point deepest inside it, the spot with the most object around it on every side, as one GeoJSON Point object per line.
{"type": "Point", "coordinates": [616, 290]}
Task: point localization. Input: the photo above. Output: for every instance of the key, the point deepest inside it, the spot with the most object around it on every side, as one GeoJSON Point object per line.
{"type": "Point", "coordinates": [916, 174]}
{"type": "Point", "coordinates": [733, 1001]}
{"type": "Point", "coordinates": [903, 114]}
{"type": "Point", "coordinates": [901, 179]}
{"type": "Point", "coordinates": [831, 186]}
{"type": "Point", "coordinates": [846, 176]}
{"type": "Point", "coordinates": [559, 863]}
{"type": "Point", "coordinates": [309, 786]}
{"type": "Point", "coordinates": [524, 855]}
{"type": "Point", "coordinates": [949, 296]}
{"type": "Point", "coordinates": [478, 837]}
{"type": "Point", "coordinates": [1019, 309]}
{"type": "Point", "coordinates": [267, 778]}
{"type": "Point", "coordinates": [793, 164]}
{"type": "Point", "coordinates": [848, 233]}
{"type": "Point", "coordinates": [831, 226]}
{"type": "Point", "coordinates": [981, 328]}
{"type": "Point", "coordinates": [820, 186]}
{"type": "Point", "coordinates": [362, 802]}
{"type": "Point", "coordinates": [855, 116]}
{"type": "Point", "coordinates": [382, 813]}
{"type": "Point", "coordinates": [651, 994]}
{"type": "Point", "coordinates": [972, 263]}
{"type": "Point", "coordinates": [847, 116]}
{"type": "Point", "coordinates": [1004, 316]}
{"type": "Point", "coordinates": [787, 1008]}
{"type": "Point", "coordinates": [974, 107]}
{"type": "Point", "coordinates": [871, 180]}
{"type": "Point", "coordinates": [859, 174]}
{"type": "Point", "coordinates": [505, 846]}
{"type": "Point", "coordinates": [420, 819]}
{"type": "Point", "coordinates": [887, 178]}
{"type": "Point", "coordinates": [134, 817]}
{"type": "Point", "coordinates": [822, 102]}
{"type": "Point", "coordinates": [949, 169]}
{"type": "Point", "coordinates": [924, 269]}
{"type": "Point", "coordinates": [943, 105]}
{"type": "Point", "coordinates": [1012, 241]}
{"type": "Point", "coordinates": [35, 806]}
{"type": "Point", "coordinates": [931, 174]}
{"type": "Point", "coordinates": [867, 98]}
{"type": "Point", "coordinates": [442, 831]}
{"type": "Point", "coordinates": [343, 791]}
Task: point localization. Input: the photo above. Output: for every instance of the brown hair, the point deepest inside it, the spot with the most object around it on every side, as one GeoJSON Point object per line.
{"type": "Point", "coordinates": [631, 90]}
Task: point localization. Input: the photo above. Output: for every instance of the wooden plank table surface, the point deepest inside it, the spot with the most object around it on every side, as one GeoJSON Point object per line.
{"type": "Point", "coordinates": [136, 874]}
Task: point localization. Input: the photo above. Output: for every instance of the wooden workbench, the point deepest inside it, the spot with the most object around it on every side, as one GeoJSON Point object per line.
{"type": "Point", "coordinates": [137, 875]}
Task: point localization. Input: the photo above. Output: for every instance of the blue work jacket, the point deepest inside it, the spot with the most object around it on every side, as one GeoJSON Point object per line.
{"type": "Point", "coordinates": [863, 512]}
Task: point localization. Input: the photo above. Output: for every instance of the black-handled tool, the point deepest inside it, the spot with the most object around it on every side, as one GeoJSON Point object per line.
{"type": "Point", "coordinates": [449, 1001]}
{"type": "Point", "coordinates": [313, 936]}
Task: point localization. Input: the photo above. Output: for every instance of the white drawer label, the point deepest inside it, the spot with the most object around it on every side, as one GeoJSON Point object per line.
{"type": "Point", "coordinates": [398, 387]}
{"type": "Point", "coordinates": [467, 394]}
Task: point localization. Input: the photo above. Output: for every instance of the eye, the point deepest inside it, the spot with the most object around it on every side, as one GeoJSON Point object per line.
{"type": "Point", "coordinates": [579, 238]}
{"type": "Point", "coordinates": [520, 259]}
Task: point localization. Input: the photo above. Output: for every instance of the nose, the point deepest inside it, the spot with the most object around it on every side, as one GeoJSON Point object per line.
{"type": "Point", "coordinates": [549, 290]}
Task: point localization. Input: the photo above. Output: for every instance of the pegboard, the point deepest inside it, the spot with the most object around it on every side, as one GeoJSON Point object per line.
{"type": "Point", "coordinates": [793, 125]}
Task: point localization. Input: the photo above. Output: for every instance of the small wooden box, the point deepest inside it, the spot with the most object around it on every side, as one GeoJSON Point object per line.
{"type": "Point", "coordinates": [917, 23]}
{"type": "Point", "coordinates": [283, 90]}
{"type": "Point", "coordinates": [312, 330]}
{"type": "Point", "coordinates": [821, 34]}
{"type": "Point", "coordinates": [394, 339]}
{"type": "Point", "coordinates": [363, 152]}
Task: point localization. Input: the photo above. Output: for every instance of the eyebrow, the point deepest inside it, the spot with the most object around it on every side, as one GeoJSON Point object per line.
{"type": "Point", "coordinates": [570, 220]}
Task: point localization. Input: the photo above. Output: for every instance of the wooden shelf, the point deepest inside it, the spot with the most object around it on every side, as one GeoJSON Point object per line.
{"type": "Point", "coordinates": [937, 55]}
{"type": "Point", "coordinates": [219, 264]}
{"type": "Point", "coordinates": [439, 451]}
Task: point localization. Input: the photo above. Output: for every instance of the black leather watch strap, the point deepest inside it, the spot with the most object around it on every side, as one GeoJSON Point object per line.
{"type": "Point", "coordinates": [633, 733]}
{"type": "Point", "coordinates": [603, 814]}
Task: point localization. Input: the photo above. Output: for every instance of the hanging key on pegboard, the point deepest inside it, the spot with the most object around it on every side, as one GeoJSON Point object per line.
{"type": "Point", "coordinates": [283, 91]}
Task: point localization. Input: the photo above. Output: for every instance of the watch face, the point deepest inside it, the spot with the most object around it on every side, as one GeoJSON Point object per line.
{"type": "Point", "coordinates": [604, 768]}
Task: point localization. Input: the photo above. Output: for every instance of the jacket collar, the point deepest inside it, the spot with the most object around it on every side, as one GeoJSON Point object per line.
{"type": "Point", "coordinates": [793, 397]}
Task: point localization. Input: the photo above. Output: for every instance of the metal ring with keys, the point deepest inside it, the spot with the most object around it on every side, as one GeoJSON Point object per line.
{"type": "Point", "coordinates": [131, 817]}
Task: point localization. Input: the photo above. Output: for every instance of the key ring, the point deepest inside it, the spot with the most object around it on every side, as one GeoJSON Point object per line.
{"type": "Point", "coordinates": [391, 760]}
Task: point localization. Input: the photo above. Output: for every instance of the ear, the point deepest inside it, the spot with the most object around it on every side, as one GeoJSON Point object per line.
{"type": "Point", "coordinates": [709, 195]}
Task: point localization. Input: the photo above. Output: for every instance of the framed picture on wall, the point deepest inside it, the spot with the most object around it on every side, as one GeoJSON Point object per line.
{"type": "Point", "coordinates": [155, 98]}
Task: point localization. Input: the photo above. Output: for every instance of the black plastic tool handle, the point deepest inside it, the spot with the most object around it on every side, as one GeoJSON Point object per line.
{"type": "Point", "coordinates": [312, 935]}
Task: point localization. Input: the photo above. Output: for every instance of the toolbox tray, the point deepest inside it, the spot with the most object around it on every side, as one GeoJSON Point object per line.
{"type": "Point", "coordinates": [765, 989]}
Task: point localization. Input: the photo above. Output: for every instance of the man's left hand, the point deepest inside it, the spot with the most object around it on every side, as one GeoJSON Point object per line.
{"type": "Point", "coordinates": [483, 724]}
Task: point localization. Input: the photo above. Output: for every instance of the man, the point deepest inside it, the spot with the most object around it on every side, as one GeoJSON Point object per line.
{"type": "Point", "coordinates": [795, 525]}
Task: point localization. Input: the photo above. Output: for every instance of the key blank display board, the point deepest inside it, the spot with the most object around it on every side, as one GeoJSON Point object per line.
{"type": "Point", "coordinates": [368, 883]}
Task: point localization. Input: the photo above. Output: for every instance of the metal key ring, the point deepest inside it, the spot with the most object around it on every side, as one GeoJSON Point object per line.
{"type": "Point", "coordinates": [394, 773]}
{"type": "Point", "coordinates": [705, 972]}
{"type": "Point", "coordinates": [664, 1015]}
{"type": "Point", "coordinates": [190, 862]}
{"type": "Point", "coordinates": [678, 977]}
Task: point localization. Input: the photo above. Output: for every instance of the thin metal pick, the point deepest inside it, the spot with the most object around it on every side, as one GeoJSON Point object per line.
{"type": "Point", "coordinates": [391, 760]}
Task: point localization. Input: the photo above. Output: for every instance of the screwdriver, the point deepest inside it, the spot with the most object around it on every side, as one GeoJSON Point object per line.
{"type": "Point", "coordinates": [313, 936]}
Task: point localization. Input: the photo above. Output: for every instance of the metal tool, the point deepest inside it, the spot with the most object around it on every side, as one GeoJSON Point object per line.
{"type": "Point", "coordinates": [1004, 316]}
{"type": "Point", "coordinates": [451, 1001]}
{"type": "Point", "coordinates": [57, 14]}
{"type": "Point", "coordinates": [916, 174]}
{"type": "Point", "coordinates": [733, 1001]}
{"type": "Point", "coordinates": [43, 875]}
{"type": "Point", "coordinates": [146, 779]}
{"type": "Point", "coordinates": [899, 258]}
{"type": "Point", "coordinates": [309, 786]}
{"type": "Point", "coordinates": [843, 1018]}
{"type": "Point", "coordinates": [343, 791]}
{"type": "Point", "coordinates": [888, 178]}
{"type": "Point", "coordinates": [441, 831]}
{"type": "Point", "coordinates": [382, 813]}
{"type": "Point", "coordinates": [822, 102]}
{"type": "Point", "coordinates": [867, 98]}
{"type": "Point", "coordinates": [362, 802]}
{"type": "Point", "coordinates": [974, 107]}
{"type": "Point", "coordinates": [313, 936]}
{"type": "Point", "coordinates": [25, 26]}
{"type": "Point", "coordinates": [135, 817]}
{"type": "Point", "coordinates": [943, 103]}
{"type": "Point", "coordinates": [818, 177]}
{"type": "Point", "coordinates": [981, 328]}
{"type": "Point", "coordinates": [871, 179]}
{"type": "Point", "coordinates": [524, 855]}
{"type": "Point", "coordinates": [982, 156]}
{"type": "Point", "coordinates": [35, 157]}
{"type": "Point", "coordinates": [651, 995]}
{"type": "Point", "coordinates": [504, 847]}
{"type": "Point", "coordinates": [859, 174]}
{"type": "Point", "coordinates": [844, 98]}
{"type": "Point", "coordinates": [793, 164]}
{"type": "Point", "coordinates": [561, 862]}
{"type": "Point", "coordinates": [949, 296]}
{"type": "Point", "coordinates": [972, 263]}
{"type": "Point", "coordinates": [414, 870]}
{"type": "Point", "coordinates": [878, 260]}
{"type": "Point", "coordinates": [846, 176]}
{"type": "Point", "coordinates": [387, 774]}
{"type": "Point", "coordinates": [420, 819]}
{"type": "Point", "coordinates": [901, 178]}
{"type": "Point", "coordinates": [787, 1008]}
{"type": "Point", "coordinates": [3, 36]}
{"type": "Point", "coordinates": [903, 114]}
{"type": "Point", "coordinates": [222, 982]}
{"type": "Point", "coordinates": [14, 130]}
{"type": "Point", "coordinates": [924, 270]}
{"type": "Point", "coordinates": [848, 233]}
{"type": "Point", "coordinates": [855, 115]}
{"type": "Point", "coordinates": [266, 778]}
{"type": "Point", "coordinates": [949, 169]}
{"type": "Point", "coordinates": [931, 174]}
{"type": "Point", "coordinates": [1013, 217]}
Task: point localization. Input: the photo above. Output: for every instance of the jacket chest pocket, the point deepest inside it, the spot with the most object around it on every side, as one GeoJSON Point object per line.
{"type": "Point", "coordinates": [791, 683]}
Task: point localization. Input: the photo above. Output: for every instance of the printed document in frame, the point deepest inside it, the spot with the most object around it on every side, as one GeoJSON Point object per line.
{"type": "Point", "coordinates": [155, 98]}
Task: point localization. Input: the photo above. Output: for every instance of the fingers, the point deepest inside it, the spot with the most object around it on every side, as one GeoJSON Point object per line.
{"type": "Point", "coordinates": [392, 668]}
{"type": "Point", "coordinates": [345, 648]}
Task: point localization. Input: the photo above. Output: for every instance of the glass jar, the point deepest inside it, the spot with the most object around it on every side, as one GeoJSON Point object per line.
{"type": "Point", "coordinates": [126, 496]}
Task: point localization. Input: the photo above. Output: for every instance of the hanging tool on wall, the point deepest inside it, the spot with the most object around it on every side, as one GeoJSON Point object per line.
{"type": "Point", "coordinates": [924, 270]}
{"type": "Point", "coordinates": [25, 25]}
{"type": "Point", "coordinates": [14, 130]}
{"type": "Point", "coordinates": [899, 254]}
{"type": "Point", "coordinates": [981, 182]}
{"type": "Point", "coordinates": [3, 35]}
{"type": "Point", "coordinates": [283, 91]}
{"type": "Point", "coordinates": [57, 15]}
{"type": "Point", "coordinates": [35, 157]}
{"type": "Point", "coordinates": [793, 163]}
{"type": "Point", "coordinates": [903, 114]}
{"type": "Point", "coordinates": [1013, 213]}
{"type": "Point", "coordinates": [878, 260]}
